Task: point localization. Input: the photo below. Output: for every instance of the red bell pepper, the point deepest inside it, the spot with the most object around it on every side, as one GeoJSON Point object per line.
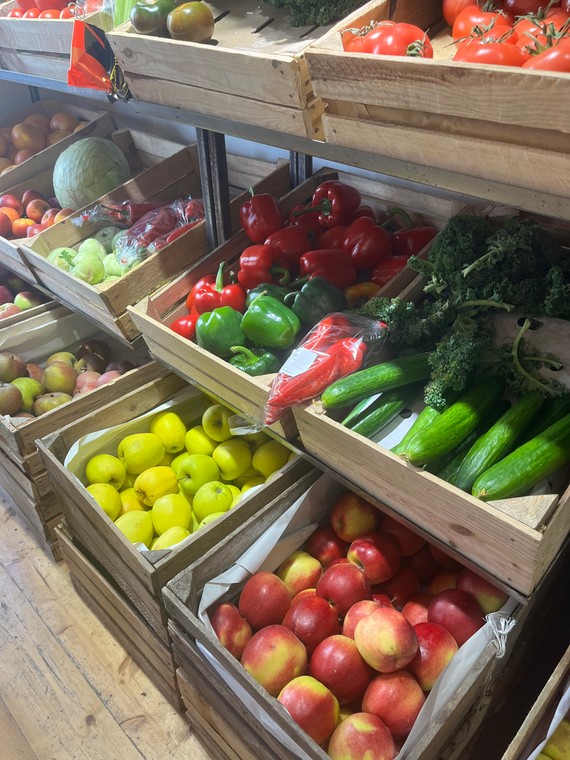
{"type": "Point", "coordinates": [293, 242]}
{"type": "Point", "coordinates": [384, 272]}
{"type": "Point", "coordinates": [128, 212]}
{"type": "Point", "coordinates": [212, 293]}
{"type": "Point", "coordinates": [258, 264]}
{"type": "Point", "coordinates": [164, 240]}
{"type": "Point", "coordinates": [409, 242]}
{"type": "Point", "coordinates": [367, 243]}
{"type": "Point", "coordinates": [333, 237]}
{"type": "Point", "coordinates": [365, 211]}
{"type": "Point", "coordinates": [337, 202]}
{"type": "Point", "coordinates": [185, 325]}
{"type": "Point", "coordinates": [149, 227]}
{"type": "Point", "coordinates": [333, 264]}
{"type": "Point", "coordinates": [260, 216]}
{"type": "Point", "coordinates": [192, 210]}
{"type": "Point", "coordinates": [309, 220]}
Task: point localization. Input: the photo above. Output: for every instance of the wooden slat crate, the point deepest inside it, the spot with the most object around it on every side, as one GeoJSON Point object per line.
{"type": "Point", "coordinates": [240, 391]}
{"type": "Point", "coordinates": [22, 316]}
{"type": "Point", "coordinates": [142, 575]}
{"type": "Point", "coordinates": [34, 340]}
{"type": "Point", "coordinates": [96, 589]}
{"type": "Point", "coordinates": [469, 119]}
{"type": "Point", "coordinates": [172, 173]}
{"type": "Point", "coordinates": [38, 46]}
{"type": "Point", "coordinates": [254, 706]}
{"type": "Point", "coordinates": [514, 540]}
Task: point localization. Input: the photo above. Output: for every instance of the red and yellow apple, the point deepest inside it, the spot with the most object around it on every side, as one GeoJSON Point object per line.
{"type": "Point", "coordinates": [361, 735]}
{"type": "Point", "coordinates": [378, 555]}
{"type": "Point", "coordinates": [337, 663]}
{"type": "Point", "coordinates": [312, 706]}
{"type": "Point", "coordinates": [457, 611]}
{"type": "Point", "coordinates": [231, 628]}
{"type": "Point", "coordinates": [386, 640]}
{"type": "Point", "coordinates": [264, 600]}
{"type": "Point", "coordinates": [352, 516]}
{"type": "Point", "coordinates": [342, 585]}
{"type": "Point", "coordinates": [273, 657]}
{"type": "Point", "coordinates": [436, 649]}
{"type": "Point", "coordinates": [311, 618]}
{"type": "Point", "coordinates": [325, 545]}
{"type": "Point", "coordinates": [395, 698]}
{"type": "Point", "coordinates": [300, 571]}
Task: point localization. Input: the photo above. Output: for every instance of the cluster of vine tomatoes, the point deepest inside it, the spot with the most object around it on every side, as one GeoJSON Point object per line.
{"type": "Point", "coordinates": [42, 9]}
{"type": "Point", "coordinates": [525, 33]}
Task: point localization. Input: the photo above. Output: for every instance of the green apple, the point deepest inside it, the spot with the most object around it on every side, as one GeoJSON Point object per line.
{"type": "Point", "coordinates": [155, 482]}
{"type": "Point", "coordinates": [258, 480]}
{"type": "Point", "coordinates": [169, 511]}
{"type": "Point", "coordinates": [136, 526]}
{"type": "Point", "coordinates": [105, 468]}
{"type": "Point", "coordinates": [210, 518]}
{"type": "Point", "coordinates": [215, 422]}
{"type": "Point", "coordinates": [130, 502]}
{"type": "Point", "coordinates": [62, 356]}
{"type": "Point", "coordinates": [198, 442]}
{"type": "Point", "coordinates": [140, 451]}
{"type": "Point", "coordinates": [107, 498]}
{"type": "Point", "coordinates": [256, 439]}
{"type": "Point", "coordinates": [171, 430]}
{"type": "Point", "coordinates": [214, 496]}
{"type": "Point", "coordinates": [169, 538]}
{"type": "Point", "coordinates": [194, 470]}
{"type": "Point", "coordinates": [233, 457]}
{"type": "Point", "coordinates": [236, 493]}
{"type": "Point", "coordinates": [558, 746]}
{"type": "Point", "coordinates": [30, 390]}
{"type": "Point", "coordinates": [270, 457]}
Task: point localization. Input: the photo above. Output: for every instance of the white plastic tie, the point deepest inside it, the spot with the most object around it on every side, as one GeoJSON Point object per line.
{"type": "Point", "coordinates": [501, 626]}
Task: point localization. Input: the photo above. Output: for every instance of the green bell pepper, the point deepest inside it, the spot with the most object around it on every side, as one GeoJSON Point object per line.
{"type": "Point", "coordinates": [269, 289]}
{"type": "Point", "coordinates": [254, 362]}
{"type": "Point", "coordinates": [268, 322]}
{"type": "Point", "coordinates": [149, 16]}
{"type": "Point", "coordinates": [315, 300]}
{"type": "Point", "coordinates": [220, 329]}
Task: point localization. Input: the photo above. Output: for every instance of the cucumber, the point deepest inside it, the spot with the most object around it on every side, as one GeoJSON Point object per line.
{"type": "Point", "coordinates": [498, 441]}
{"type": "Point", "coordinates": [423, 420]}
{"type": "Point", "coordinates": [551, 412]}
{"type": "Point", "coordinates": [377, 379]}
{"type": "Point", "coordinates": [455, 423]}
{"type": "Point", "coordinates": [522, 469]}
{"type": "Point", "coordinates": [384, 410]}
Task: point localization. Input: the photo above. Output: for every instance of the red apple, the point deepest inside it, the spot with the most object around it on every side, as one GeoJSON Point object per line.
{"type": "Point", "coordinates": [29, 196]}
{"type": "Point", "coordinates": [311, 618]}
{"type": "Point", "coordinates": [377, 555]}
{"type": "Point", "coordinates": [457, 611]}
{"type": "Point", "coordinates": [395, 698]}
{"type": "Point", "coordinates": [443, 580]}
{"type": "Point", "coordinates": [63, 214]}
{"type": "Point", "coordinates": [401, 586]}
{"type": "Point", "coordinates": [20, 227]}
{"type": "Point", "coordinates": [35, 229]}
{"type": "Point", "coordinates": [343, 585]}
{"type": "Point", "coordinates": [386, 640]}
{"type": "Point", "coordinates": [48, 219]}
{"type": "Point", "coordinates": [107, 377]}
{"type": "Point", "coordinates": [6, 295]}
{"type": "Point", "coordinates": [424, 564]}
{"type": "Point", "coordinates": [10, 201]}
{"type": "Point", "coordinates": [382, 599]}
{"type": "Point", "coordinates": [443, 558]}
{"type": "Point", "coordinates": [312, 706]}
{"type": "Point", "coordinates": [337, 663]}
{"type": "Point", "coordinates": [36, 209]}
{"type": "Point", "coordinates": [35, 371]}
{"type": "Point", "coordinates": [409, 542]}
{"type": "Point", "coordinates": [415, 610]}
{"type": "Point", "coordinates": [437, 648]}
{"type": "Point", "coordinates": [325, 545]}
{"type": "Point", "coordinates": [264, 600]}
{"type": "Point", "coordinates": [490, 597]}
{"type": "Point", "coordinates": [300, 571]}
{"type": "Point", "coordinates": [8, 310]}
{"type": "Point", "coordinates": [361, 735]}
{"type": "Point", "coordinates": [27, 299]}
{"type": "Point", "coordinates": [231, 628]}
{"type": "Point", "coordinates": [273, 657]}
{"type": "Point", "coordinates": [352, 516]}
{"type": "Point", "coordinates": [5, 226]}
{"type": "Point", "coordinates": [358, 610]}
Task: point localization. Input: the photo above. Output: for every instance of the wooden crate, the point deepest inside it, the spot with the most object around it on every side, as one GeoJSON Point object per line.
{"type": "Point", "coordinates": [35, 339]}
{"type": "Point", "coordinates": [96, 589]}
{"type": "Point", "coordinates": [514, 540]}
{"type": "Point", "coordinates": [171, 174]}
{"type": "Point", "coordinates": [21, 318]}
{"type": "Point", "coordinates": [240, 391]}
{"type": "Point", "coordinates": [469, 119]}
{"type": "Point", "coordinates": [254, 706]}
{"type": "Point", "coordinates": [37, 46]}
{"type": "Point", "coordinates": [142, 575]}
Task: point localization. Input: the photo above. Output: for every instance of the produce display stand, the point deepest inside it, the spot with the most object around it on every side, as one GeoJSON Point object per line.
{"type": "Point", "coordinates": [468, 119]}
{"type": "Point", "coordinates": [171, 172]}
{"type": "Point", "coordinates": [242, 392]}
{"type": "Point", "coordinates": [25, 476]}
{"type": "Point", "coordinates": [31, 45]}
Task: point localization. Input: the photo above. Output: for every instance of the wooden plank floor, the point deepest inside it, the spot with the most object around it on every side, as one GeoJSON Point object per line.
{"type": "Point", "coordinates": [68, 690]}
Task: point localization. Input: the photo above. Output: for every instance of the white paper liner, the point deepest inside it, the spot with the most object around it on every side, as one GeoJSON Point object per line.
{"type": "Point", "coordinates": [285, 536]}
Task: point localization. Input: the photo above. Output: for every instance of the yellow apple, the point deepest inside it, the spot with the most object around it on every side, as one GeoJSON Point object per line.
{"type": "Point", "coordinates": [194, 470]}
{"type": "Point", "coordinates": [107, 498]}
{"type": "Point", "coordinates": [558, 746]}
{"type": "Point", "coordinates": [215, 422]}
{"type": "Point", "coordinates": [169, 511]}
{"type": "Point", "coordinates": [169, 538]}
{"type": "Point", "coordinates": [270, 457]}
{"type": "Point", "coordinates": [256, 440]}
{"type": "Point", "coordinates": [244, 477]}
{"type": "Point", "coordinates": [233, 457]}
{"type": "Point", "coordinates": [140, 451]}
{"type": "Point", "coordinates": [136, 526]}
{"type": "Point", "coordinates": [105, 468]}
{"type": "Point", "coordinates": [211, 497]}
{"type": "Point", "coordinates": [166, 460]}
{"type": "Point", "coordinates": [155, 482]}
{"type": "Point", "coordinates": [236, 494]}
{"type": "Point", "coordinates": [197, 441]}
{"type": "Point", "coordinates": [257, 480]}
{"type": "Point", "coordinates": [171, 430]}
{"type": "Point", "coordinates": [210, 518]}
{"type": "Point", "coordinates": [130, 501]}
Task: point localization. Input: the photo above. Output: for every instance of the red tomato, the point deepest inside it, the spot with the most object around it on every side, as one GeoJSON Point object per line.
{"type": "Point", "coordinates": [185, 326]}
{"type": "Point", "coordinates": [398, 39]}
{"type": "Point", "coordinates": [66, 13]}
{"type": "Point", "coordinates": [50, 5]}
{"type": "Point", "coordinates": [515, 8]}
{"type": "Point", "coordinates": [452, 9]}
{"type": "Point", "coordinates": [51, 13]}
{"type": "Point", "coordinates": [565, 5]}
{"type": "Point", "coordinates": [32, 13]}
{"type": "Point", "coordinates": [473, 16]}
{"type": "Point", "coordinates": [493, 53]}
{"type": "Point", "coordinates": [15, 13]}
{"type": "Point", "coordinates": [496, 34]}
{"type": "Point", "coordinates": [556, 58]}
{"type": "Point", "coordinates": [352, 43]}
{"type": "Point", "coordinates": [535, 24]}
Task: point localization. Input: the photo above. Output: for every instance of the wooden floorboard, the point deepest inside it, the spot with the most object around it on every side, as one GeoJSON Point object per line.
{"type": "Point", "coordinates": [68, 690]}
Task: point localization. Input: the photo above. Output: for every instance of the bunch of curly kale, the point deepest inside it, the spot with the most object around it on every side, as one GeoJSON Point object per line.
{"type": "Point", "coordinates": [309, 12]}
{"type": "Point", "coordinates": [475, 267]}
